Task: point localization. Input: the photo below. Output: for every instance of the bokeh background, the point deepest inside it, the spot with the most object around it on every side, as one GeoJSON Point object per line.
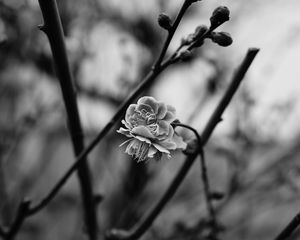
{"type": "Point", "coordinates": [252, 155]}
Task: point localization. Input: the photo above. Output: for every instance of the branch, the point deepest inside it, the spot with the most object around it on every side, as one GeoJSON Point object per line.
{"type": "Point", "coordinates": [172, 30]}
{"type": "Point", "coordinates": [53, 29]}
{"type": "Point", "coordinates": [143, 225]}
{"type": "Point", "coordinates": [235, 82]}
{"type": "Point", "coordinates": [289, 229]}
{"type": "Point", "coordinates": [19, 219]}
{"type": "Point", "coordinates": [146, 83]}
{"type": "Point", "coordinates": [205, 179]}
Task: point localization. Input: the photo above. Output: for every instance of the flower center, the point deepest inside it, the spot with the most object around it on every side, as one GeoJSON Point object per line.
{"type": "Point", "coordinates": [144, 118]}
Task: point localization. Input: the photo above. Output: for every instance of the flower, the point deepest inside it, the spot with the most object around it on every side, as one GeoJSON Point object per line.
{"type": "Point", "coordinates": [148, 125]}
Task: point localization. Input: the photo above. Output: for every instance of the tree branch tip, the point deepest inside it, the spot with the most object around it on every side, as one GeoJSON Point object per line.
{"type": "Point", "coordinates": [252, 51]}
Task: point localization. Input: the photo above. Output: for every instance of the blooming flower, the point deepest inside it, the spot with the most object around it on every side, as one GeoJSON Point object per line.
{"type": "Point", "coordinates": [148, 125]}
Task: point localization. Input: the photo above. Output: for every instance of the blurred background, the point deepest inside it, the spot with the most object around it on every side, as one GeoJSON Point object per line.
{"type": "Point", "coordinates": [252, 155]}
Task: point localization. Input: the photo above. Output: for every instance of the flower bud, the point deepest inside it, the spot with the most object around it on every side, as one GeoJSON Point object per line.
{"type": "Point", "coordinates": [164, 21]}
{"type": "Point", "coordinates": [219, 16]}
{"type": "Point", "coordinates": [185, 55]}
{"type": "Point", "coordinates": [221, 38]}
{"type": "Point", "coordinates": [192, 147]}
{"type": "Point", "coordinates": [188, 40]}
{"type": "Point", "coordinates": [200, 30]}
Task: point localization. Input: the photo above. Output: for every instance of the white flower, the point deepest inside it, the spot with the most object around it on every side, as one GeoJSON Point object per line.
{"type": "Point", "coordinates": [148, 125]}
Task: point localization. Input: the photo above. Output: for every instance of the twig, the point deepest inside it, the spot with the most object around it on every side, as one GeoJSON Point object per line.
{"type": "Point", "coordinates": [289, 229]}
{"type": "Point", "coordinates": [147, 82]}
{"type": "Point", "coordinates": [205, 179]}
{"type": "Point", "coordinates": [53, 29]}
{"type": "Point", "coordinates": [19, 219]}
{"type": "Point", "coordinates": [143, 225]}
{"type": "Point", "coordinates": [171, 32]}
{"type": "Point", "coordinates": [175, 57]}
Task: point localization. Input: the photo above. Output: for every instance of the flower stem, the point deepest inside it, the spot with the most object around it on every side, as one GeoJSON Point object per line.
{"type": "Point", "coordinates": [205, 179]}
{"type": "Point", "coordinates": [144, 224]}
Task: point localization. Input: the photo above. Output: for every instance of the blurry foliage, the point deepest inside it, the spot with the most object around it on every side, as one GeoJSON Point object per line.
{"type": "Point", "coordinates": [111, 46]}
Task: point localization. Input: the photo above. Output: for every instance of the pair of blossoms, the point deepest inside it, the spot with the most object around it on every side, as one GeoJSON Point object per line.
{"type": "Point", "coordinates": [148, 127]}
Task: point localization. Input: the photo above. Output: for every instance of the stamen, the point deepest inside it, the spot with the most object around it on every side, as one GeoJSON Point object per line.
{"type": "Point", "coordinates": [152, 127]}
{"type": "Point", "coordinates": [142, 151]}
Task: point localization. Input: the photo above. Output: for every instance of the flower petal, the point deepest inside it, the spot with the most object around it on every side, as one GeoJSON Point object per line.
{"type": "Point", "coordinates": [143, 139]}
{"type": "Point", "coordinates": [152, 151]}
{"type": "Point", "coordinates": [151, 101]}
{"type": "Point", "coordinates": [142, 131]}
{"type": "Point", "coordinates": [162, 128]}
{"type": "Point", "coordinates": [171, 132]}
{"type": "Point", "coordinates": [130, 111]}
{"type": "Point", "coordinates": [169, 117]}
{"type": "Point", "coordinates": [127, 124]}
{"type": "Point", "coordinates": [162, 110]}
{"type": "Point", "coordinates": [179, 141]}
{"type": "Point", "coordinates": [168, 144]}
{"type": "Point", "coordinates": [171, 109]}
{"type": "Point", "coordinates": [144, 107]}
{"type": "Point", "coordinates": [161, 148]}
{"type": "Point", "coordinates": [124, 131]}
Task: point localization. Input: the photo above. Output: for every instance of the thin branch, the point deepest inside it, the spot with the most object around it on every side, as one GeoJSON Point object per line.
{"type": "Point", "coordinates": [147, 82]}
{"type": "Point", "coordinates": [185, 6]}
{"type": "Point", "coordinates": [143, 225]}
{"type": "Point", "coordinates": [205, 179]}
{"type": "Point", "coordinates": [54, 31]}
{"type": "Point", "coordinates": [19, 219]}
{"type": "Point", "coordinates": [289, 229]}
{"type": "Point", "coordinates": [175, 57]}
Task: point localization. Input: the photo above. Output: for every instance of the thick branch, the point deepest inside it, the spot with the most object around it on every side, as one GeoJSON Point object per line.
{"type": "Point", "coordinates": [54, 31]}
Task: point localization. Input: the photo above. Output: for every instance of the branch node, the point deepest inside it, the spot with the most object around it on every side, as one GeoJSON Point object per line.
{"type": "Point", "coordinates": [42, 27]}
{"type": "Point", "coordinates": [117, 234]}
